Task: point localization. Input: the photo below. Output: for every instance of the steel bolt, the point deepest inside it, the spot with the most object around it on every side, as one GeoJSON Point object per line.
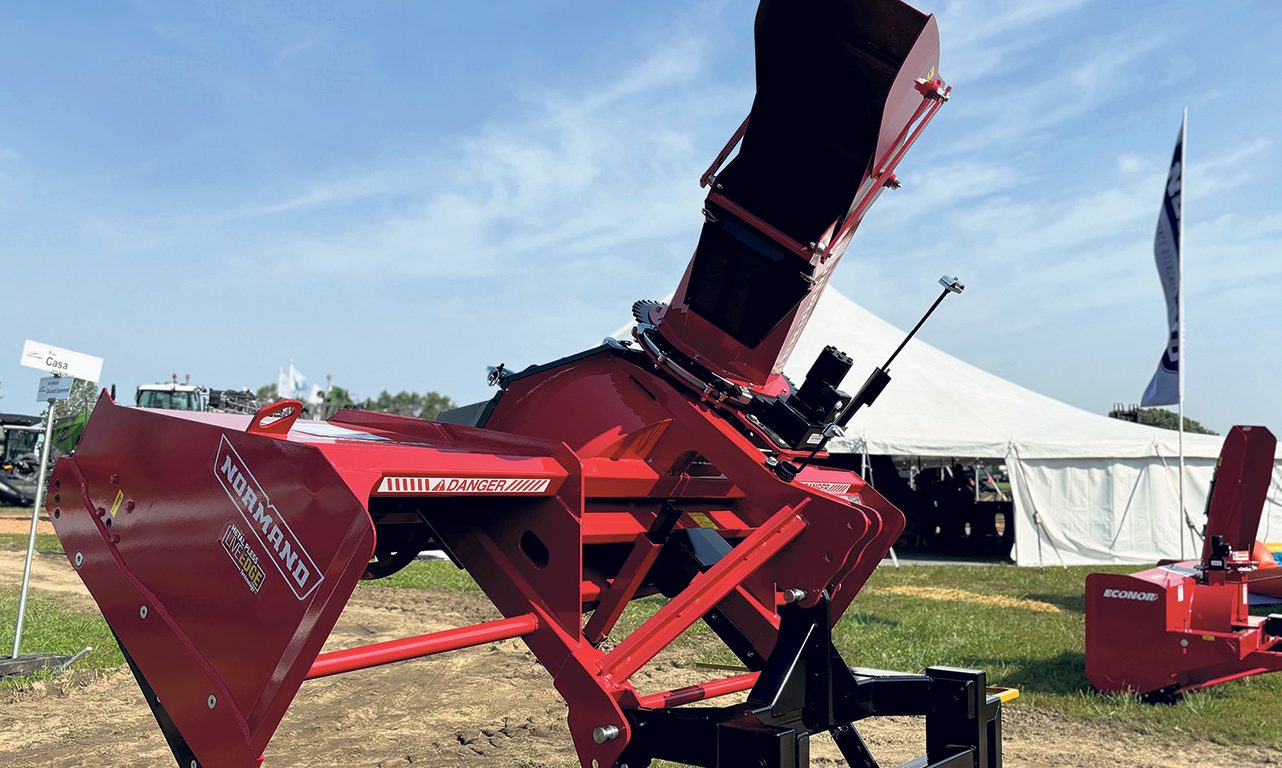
{"type": "Point", "coordinates": [80, 559]}
{"type": "Point", "coordinates": [1184, 642]}
{"type": "Point", "coordinates": [142, 612]}
{"type": "Point", "coordinates": [605, 733]}
{"type": "Point", "coordinates": [213, 701]}
{"type": "Point", "coordinates": [794, 595]}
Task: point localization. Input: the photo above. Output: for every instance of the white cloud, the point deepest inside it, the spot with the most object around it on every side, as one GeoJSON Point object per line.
{"type": "Point", "coordinates": [1131, 163]}
{"type": "Point", "coordinates": [596, 174]}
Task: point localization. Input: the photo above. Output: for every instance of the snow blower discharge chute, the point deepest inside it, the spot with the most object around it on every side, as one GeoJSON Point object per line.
{"type": "Point", "coordinates": [222, 548]}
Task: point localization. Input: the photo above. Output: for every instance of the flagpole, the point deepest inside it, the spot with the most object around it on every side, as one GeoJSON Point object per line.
{"type": "Point", "coordinates": [1184, 125]}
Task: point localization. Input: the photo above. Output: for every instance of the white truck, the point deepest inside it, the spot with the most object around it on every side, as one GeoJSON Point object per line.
{"type": "Point", "coordinates": [173, 396]}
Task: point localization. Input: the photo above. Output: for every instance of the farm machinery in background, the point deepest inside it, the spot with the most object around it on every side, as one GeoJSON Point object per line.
{"type": "Point", "coordinates": [222, 548]}
{"type": "Point", "coordinates": [170, 395]}
{"type": "Point", "coordinates": [1187, 625]}
{"type": "Point", "coordinates": [167, 395]}
{"type": "Point", "coordinates": [19, 464]}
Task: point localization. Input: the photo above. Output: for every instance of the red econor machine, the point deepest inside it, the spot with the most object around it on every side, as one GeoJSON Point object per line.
{"type": "Point", "coordinates": [1187, 625]}
{"type": "Point", "coordinates": [222, 549]}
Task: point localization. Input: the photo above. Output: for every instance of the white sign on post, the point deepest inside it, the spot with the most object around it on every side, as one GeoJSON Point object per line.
{"type": "Point", "coordinates": [54, 388]}
{"type": "Point", "coordinates": [64, 362]}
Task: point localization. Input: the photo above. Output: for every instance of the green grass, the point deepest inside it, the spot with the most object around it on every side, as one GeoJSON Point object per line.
{"type": "Point", "coordinates": [55, 624]}
{"type": "Point", "coordinates": [436, 574]}
{"type": "Point", "coordinates": [45, 542]}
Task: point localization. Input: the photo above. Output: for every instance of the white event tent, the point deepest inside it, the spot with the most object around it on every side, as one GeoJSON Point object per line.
{"type": "Point", "coordinates": [1087, 489]}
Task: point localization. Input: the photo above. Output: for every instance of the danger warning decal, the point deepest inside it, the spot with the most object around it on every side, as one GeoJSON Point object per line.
{"type": "Point", "coordinates": [833, 488]}
{"type": "Point", "coordinates": [837, 489]}
{"type": "Point", "coordinates": [464, 485]}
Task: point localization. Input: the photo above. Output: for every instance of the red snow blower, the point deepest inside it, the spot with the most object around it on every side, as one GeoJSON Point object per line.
{"type": "Point", "coordinates": [222, 548]}
{"type": "Point", "coordinates": [1187, 625]}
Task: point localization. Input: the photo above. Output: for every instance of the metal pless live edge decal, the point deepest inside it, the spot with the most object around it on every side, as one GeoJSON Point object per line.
{"type": "Point", "coordinates": [244, 557]}
{"type": "Point", "coordinates": [266, 522]}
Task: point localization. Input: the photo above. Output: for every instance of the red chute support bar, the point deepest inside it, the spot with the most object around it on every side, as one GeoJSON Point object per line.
{"type": "Point", "coordinates": [378, 654]}
{"type": "Point", "coordinates": [934, 94]}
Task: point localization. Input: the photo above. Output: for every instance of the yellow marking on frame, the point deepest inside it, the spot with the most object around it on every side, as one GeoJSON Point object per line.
{"type": "Point", "coordinates": [115, 505]}
{"type": "Point", "coordinates": [704, 521]}
{"type": "Point", "coordinates": [1005, 695]}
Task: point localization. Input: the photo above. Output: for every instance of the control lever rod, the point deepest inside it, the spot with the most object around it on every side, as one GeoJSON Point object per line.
{"type": "Point", "coordinates": [880, 376]}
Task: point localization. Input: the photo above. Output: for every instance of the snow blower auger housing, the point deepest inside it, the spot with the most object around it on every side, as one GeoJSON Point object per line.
{"type": "Point", "coordinates": [1187, 625]}
{"type": "Point", "coordinates": [222, 548]}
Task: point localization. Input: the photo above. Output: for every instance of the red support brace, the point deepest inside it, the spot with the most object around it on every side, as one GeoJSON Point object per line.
{"type": "Point", "coordinates": [378, 654]}
{"type": "Point", "coordinates": [701, 692]}
{"type": "Point", "coordinates": [624, 587]}
{"type": "Point", "coordinates": [706, 590]}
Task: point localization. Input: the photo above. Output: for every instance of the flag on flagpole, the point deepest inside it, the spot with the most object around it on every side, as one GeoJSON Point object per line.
{"type": "Point", "coordinates": [284, 387]}
{"type": "Point", "coordinates": [291, 383]}
{"type": "Point", "coordinates": [1166, 386]}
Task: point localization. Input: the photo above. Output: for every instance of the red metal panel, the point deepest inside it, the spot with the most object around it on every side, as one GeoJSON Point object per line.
{"type": "Point", "coordinates": [1242, 478]}
{"type": "Point", "coordinates": [224, 575]}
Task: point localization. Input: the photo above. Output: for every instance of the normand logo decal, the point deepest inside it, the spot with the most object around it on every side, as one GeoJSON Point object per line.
{"type": "Point", "coordinates": [266, 522]}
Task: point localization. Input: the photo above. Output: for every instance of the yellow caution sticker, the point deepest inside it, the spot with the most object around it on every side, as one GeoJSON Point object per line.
{"type": "Point", "coordinates": [115, 505]}
{"type": "Point", "coordinates": [702, 520]}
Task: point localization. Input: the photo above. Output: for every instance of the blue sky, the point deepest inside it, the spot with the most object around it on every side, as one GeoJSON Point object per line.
{"type": "Point", "coordinates": [403, 193]}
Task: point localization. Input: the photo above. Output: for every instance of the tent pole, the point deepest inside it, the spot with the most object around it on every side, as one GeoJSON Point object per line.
{"type": "Point", "coordinates": [863, 473]}
{"type": "Point", "coordinates": [1183, 514]}
{"type": "Point", "coordinates": [975, 469]}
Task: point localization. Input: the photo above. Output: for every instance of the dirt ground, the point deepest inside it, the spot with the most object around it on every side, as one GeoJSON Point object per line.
{"type": "Point", "coordinates": [479, 708]}
{"type": "Point", "coordinates": [10, 523]}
